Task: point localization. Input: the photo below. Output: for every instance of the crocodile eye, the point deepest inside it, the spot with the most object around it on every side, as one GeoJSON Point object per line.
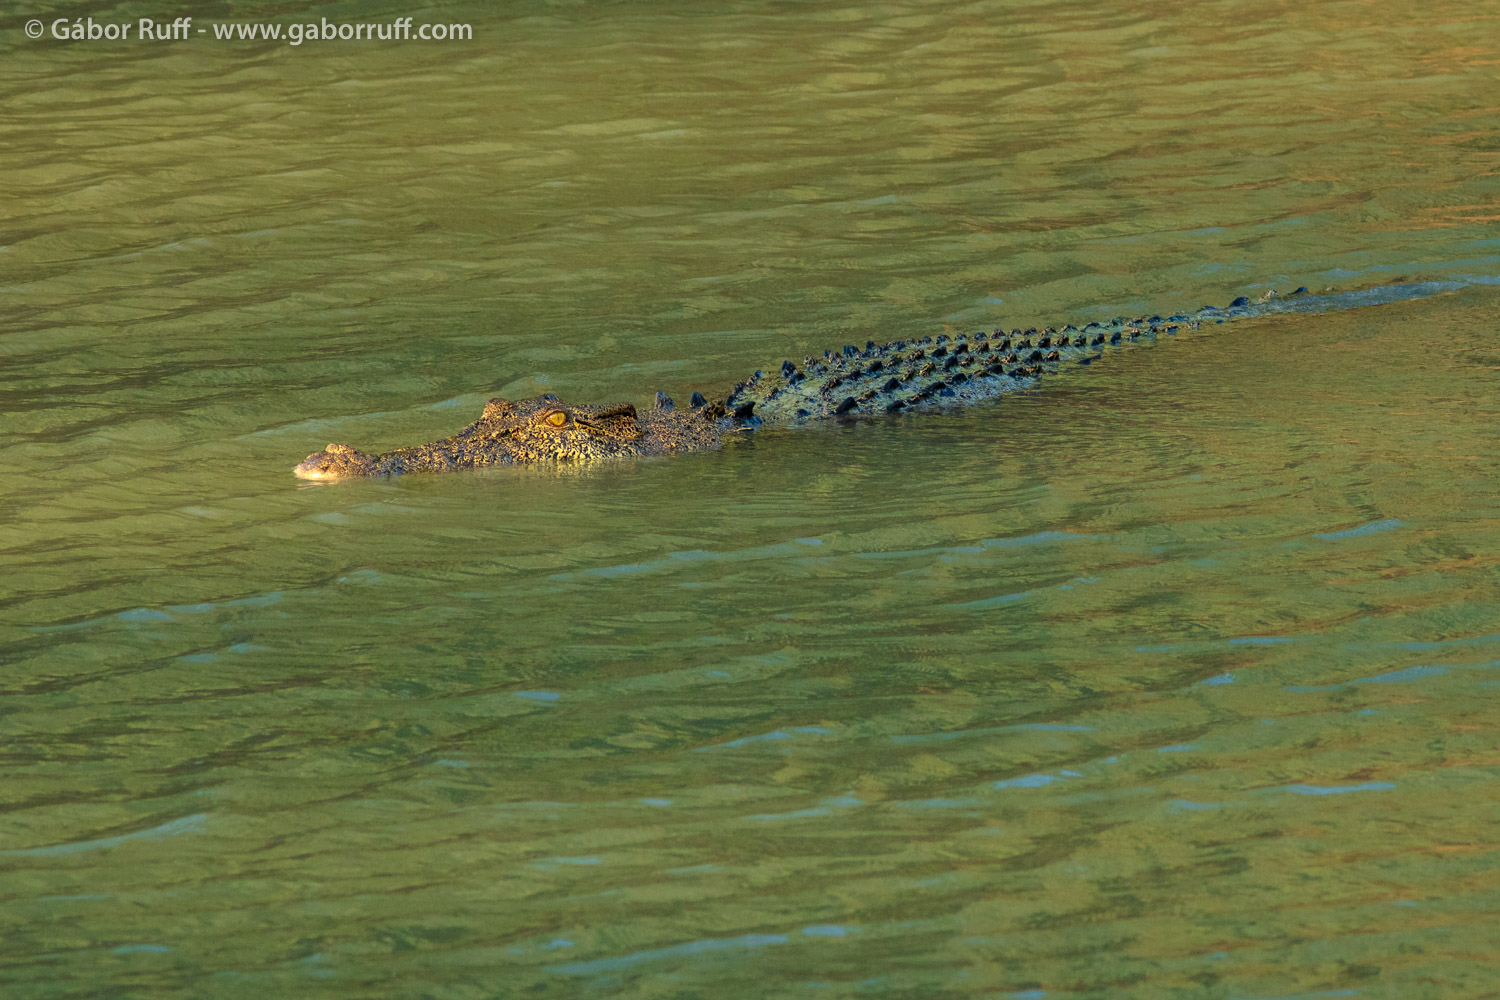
{"type": "Point", "coordinates": [557, 418]}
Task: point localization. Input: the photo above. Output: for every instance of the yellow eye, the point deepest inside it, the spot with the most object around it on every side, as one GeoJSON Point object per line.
{"type": "Point", "coordinates": [557, 418]}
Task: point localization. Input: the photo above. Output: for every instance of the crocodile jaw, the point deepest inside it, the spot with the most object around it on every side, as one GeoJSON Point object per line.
{"type": "Point", "coordinates": [337, 461]}
{"type": "Point", "coordinates": [311, 467]}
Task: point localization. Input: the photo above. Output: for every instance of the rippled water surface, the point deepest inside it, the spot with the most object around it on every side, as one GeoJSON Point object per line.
{"type": "Point", "coordinates": [1176, 677]}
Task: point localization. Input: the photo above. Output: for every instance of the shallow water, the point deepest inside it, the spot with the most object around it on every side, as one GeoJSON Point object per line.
{"type": "Point", "coordinates": [1177, 677]}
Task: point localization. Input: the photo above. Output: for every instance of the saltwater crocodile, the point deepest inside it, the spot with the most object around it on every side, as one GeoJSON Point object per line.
{"type": "Point", "coordinates": [904, 375]}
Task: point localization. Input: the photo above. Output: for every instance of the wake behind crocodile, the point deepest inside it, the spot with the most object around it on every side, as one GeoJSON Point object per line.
{"type": "Point", "coordinates": [932, 373]}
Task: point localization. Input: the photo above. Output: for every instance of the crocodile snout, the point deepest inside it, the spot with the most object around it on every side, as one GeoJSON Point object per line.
{"type": "Point", "coordinates": [335, 462]}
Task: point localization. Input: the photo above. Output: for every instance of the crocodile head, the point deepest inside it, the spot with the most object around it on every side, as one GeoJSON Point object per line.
{"type": "Point", "coordinates": [545, 429]}
{"type": "Point", "coordinates": [540, 429]}
{"type": "Point", "coordinates": [336, 462]}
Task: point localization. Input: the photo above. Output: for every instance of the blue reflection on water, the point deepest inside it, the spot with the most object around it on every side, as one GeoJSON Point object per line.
{"type": "Point", "coordinates": [1368, 786]}
{"type": "Point", "coordinates": [1030, 781]}
{"type": "Point", "coordinates": [186, 824]}
{"type": "Point", "coordinates": [675, 951]}
{"type": "Point", "coordinates": [1364, 529]}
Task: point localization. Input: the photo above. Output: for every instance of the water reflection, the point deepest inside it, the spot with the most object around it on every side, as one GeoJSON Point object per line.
{"type": "Point", "coordinates": [1175, 676]}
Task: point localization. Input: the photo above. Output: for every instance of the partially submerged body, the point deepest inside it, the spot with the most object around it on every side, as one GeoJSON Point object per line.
{"type": "Point", "coordinates": [541, 429]}
{"type": "Point", "coordinates": [932, 373]}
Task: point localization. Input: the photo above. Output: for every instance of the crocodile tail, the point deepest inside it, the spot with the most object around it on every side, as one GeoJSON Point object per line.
{"type": "Point", "coordinates": [938, 372]}
{"type": "Point", "coordinates": [930, 373]}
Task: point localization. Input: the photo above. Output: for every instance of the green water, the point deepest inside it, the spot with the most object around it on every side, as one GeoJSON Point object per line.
{"type": "Point", "coordinates": [1178, 677]}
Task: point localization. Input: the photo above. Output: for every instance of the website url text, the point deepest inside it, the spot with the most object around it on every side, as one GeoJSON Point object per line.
{"type": "Point", "coordinates": [402, 29]}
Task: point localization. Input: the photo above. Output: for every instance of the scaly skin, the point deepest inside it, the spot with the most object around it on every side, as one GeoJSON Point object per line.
{"type": "Point", "coordinates": [542, 429]}
{"type": "Point", "coordinates": [931, 373]}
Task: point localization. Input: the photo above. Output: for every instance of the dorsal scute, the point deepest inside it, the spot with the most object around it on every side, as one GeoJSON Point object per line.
{"type": "Point", "coordinates": [938, 369]}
